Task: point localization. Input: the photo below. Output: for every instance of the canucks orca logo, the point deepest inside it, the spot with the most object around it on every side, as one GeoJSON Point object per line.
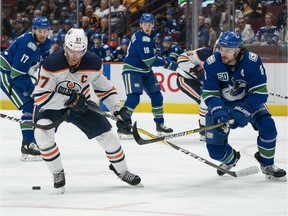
{"type": "Point", "coordinates": [68, 87]}
{"type": "Point", "coordinates": [235, 92]}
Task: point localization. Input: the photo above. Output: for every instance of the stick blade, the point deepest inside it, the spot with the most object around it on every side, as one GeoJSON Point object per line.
{"type": "Point", "coordinates": [136, 134]}
{"type": "Point", "coordinates": [247, 171]}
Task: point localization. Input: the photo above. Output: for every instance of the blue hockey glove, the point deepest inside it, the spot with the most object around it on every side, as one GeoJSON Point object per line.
{"type": "Point", "coordinates": [77, 103]}
{"type": "Point", "coordinates": [241, 114]}
{"type": "Point", "coordinates": [219, 115]}
{"type": "Point", "coordinates": [125, 117]}
{"type": "Point", "coordinates": [24, 83]}
{"type": "Point", "coordinates": [170, 65]}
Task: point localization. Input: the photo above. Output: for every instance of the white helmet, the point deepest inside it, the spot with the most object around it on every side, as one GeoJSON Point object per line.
{"type": "Point", "coordinates": [76, 40]}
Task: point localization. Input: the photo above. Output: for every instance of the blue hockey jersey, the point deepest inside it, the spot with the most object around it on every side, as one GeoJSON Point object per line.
{"type": "Point", "coordinates": [24, 53]}
{"type": "Point", "coordinates": [141, 54]}
{"type": "Point", "coordinates": [225, 84]}
{"type": "Point", "coordinates": [173, 53]}
{"type": "Point", "coordinates": [103, 51]}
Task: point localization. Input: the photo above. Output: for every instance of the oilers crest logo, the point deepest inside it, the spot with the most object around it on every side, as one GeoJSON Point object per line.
{"type": "Point", "coordinates": [68, 87]}
{"type": "Point", "coordinates": [236, 91]}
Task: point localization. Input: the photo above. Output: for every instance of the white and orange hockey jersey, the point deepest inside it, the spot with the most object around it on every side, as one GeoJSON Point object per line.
{"type": "Point", "coordinates": [188, 60]}
{"type": "Point", "coordinates": [57, 81]}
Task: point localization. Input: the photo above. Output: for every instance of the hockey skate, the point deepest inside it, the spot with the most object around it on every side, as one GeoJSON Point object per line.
{"type": "Point", "coordinates": [59, 181]}
{"type": "Point", "coordinates": [162, 130]}
{"type": "Point", "coordinates": [124, 134]}
{"type": "Point", "coordinates": [128, 177]}
{"type": "Point", "coordinates": [202, 133]}
{"type": "Point", "coordinates": [229, 167]}
{"type": "Point", "coordinates": [30, 152]}
{"type": "Point", "coordinates": [271, 172]}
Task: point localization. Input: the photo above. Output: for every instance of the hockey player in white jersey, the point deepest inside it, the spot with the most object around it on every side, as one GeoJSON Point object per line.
{"type": "Point", "coordinates": [190, 78]}
{"type": "Point", "coordinates": [64, 85]}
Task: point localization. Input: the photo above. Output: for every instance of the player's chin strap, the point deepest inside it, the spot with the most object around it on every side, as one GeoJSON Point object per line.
{"type": "Point", "coordinates": [44, 127]}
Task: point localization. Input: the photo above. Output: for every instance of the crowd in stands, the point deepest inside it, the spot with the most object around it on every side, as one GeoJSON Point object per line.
{"type": "Point", "coordinates": [260, 23]}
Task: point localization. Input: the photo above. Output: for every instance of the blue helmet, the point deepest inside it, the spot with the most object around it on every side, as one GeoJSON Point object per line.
{"type": "Point", "coordinates": [125, 41]}
{"type": "Point", "coordinates": [159, 36]}
{"type": "Point", "coordinates": [170, 12]}
{"type": "Point", "coordinates": [147, 17]}
{"type": "Point", "coordinates": [230, 39]}
{"type": "Point", "coordinates": [40, 22]}
{"type": "Point", "coordinates": [97, 36]}
{"type": "Point", "coordinates": [168, 38]}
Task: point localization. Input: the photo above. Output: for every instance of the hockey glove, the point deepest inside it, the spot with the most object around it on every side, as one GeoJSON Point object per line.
{"type": "Point", "coordinates": [77, 103]}
{"type": "Point", "coordinates": [241, 114]}
{"type": "Point", "coordinates": [197, 72]}
{"type": "Point", "coordinates": [219, 115]}
{"type": "Point", "coordinates": [170, 65]}
{"type": "Point", "coordinates": [24, 83]}
{"type": "Point", "coordinates": [125, 122]}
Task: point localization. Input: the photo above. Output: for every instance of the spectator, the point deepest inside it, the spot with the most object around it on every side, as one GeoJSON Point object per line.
{"type": "Point", "coordinates": [88, 31]}
{"type": "Point", "coordinates": [17, 29]}
{"type": "Point", "coordinates": [103, 10]}
{"type": "Point", "coordinates": [212, 33]}
{"type": "Point", "coordinates": [159, 46]}
{"type": "Point", "coordinates": [37, 12]}
{"type": "Point", "coordinates": [54, 9]}
{"type": "Point", "coordinates": [56, 45]}
{"type": "Point", "coordinates": [118, 12]}
{"type": "Point", "coordinates": [268, 34]}
{"type": "Point", "coordinates": [171, 24]}
{"type": "Point", "coordinates": [203, 33]}
{"type": "Point", "coordinates": [215, 16]}
{"type": "Point", "coordinates": [89, 11]}
{"type": "Point", "coordinates": [100, 49]}
{"type": "Point", "coordinates": [52, 17]}
{"type": "Point", "coordinates": [54, 29]}
{"type": "Point", "coordinates": [73, 12]}
{"type": "Point", "coordinates": [282, 25]}
{"type": "Point", "coordinates": [94, 21]}
{"type": "Point", "coordinates": [246, 31]}
{"type": "Point", "coordinates": [252, 8]}
{"type": "Point", "coordinates": [64, 15]}
{"type": "Point", "coordinates": [63, 31]}
{"type": "Point", "coordinates": [120, 52]}
{"type": "Point", "coordinates": [133, 5]}
{"type": "Point", "coordinates": [103, 30]}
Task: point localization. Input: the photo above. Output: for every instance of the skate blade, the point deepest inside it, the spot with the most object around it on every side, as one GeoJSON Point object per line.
{"type": "Point", "coordinates": [61, 190]}
{"type": "Point", "coordinates": [30, 158]}
{"type": "Point", "coordinates": [276, 179]}
{"type": "Point", "coordinates": [140, 185]}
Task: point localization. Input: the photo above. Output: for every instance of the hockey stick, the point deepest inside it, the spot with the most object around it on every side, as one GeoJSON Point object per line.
{"type": "Point", "coordinates": [278, 95]}
{"type": "Point", "coordinates": [98, 110]}
{"type": "Point", "coordinates": [240, 173]}
{"type": "Point", "coordinates": [44, 127]}
{"type": "Point", "coordinates": [142, 141]}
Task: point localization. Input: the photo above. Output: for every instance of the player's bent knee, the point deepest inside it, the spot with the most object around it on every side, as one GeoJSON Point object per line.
{"type": "Point", "coordinates": [132, 100]}
{"type": "Point", "coordinates": [216, 152]}
{"type": "Point", "coordinates": [109, 141]}
{"type": "Point", "coordinates": [156, 98]}
{"type": "Point", "coordinates": [44, 138]}
{"type": "Point", "coordinates": [266, 126]}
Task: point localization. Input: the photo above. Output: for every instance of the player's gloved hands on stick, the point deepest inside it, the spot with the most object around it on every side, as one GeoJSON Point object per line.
{"type": "Point", "coordinates": [170, 65]}
{"type": "Point", "coordinates": [77, 103]}
{"type": "Point", "coordinates": [125, 117]}
{"type": "Point", "coordinates": [219, 115]}
{"type": "Point", "coordinates": [241, 114]}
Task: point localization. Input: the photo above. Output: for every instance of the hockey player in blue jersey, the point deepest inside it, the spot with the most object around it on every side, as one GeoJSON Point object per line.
{"type": "Point", "coordinates": [120, 52]}
{"type": "Point", "coordinates": [16, 72]}
{"type": "Point", "coordinates": [171, 51]}
{"type": "Point", "coordinates": [235, 88]}
{"type": "Point", "coordinates": [64, 84]}
{"type": "Point", "coordinates": [138, 75]}
{"type": "Point", "coordinates": [100, 49]}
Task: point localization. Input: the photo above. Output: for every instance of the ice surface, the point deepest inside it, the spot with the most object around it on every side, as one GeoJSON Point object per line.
{"type": "Point", "coordinates": [174, 183]}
